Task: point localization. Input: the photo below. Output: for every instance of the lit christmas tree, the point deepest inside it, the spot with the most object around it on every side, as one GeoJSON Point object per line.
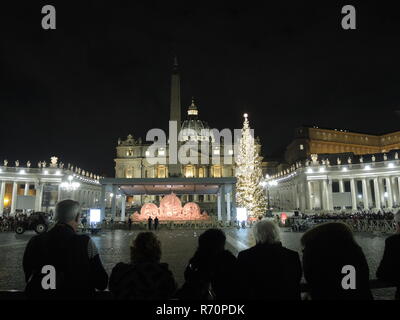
{"type": "Point", "coordinates": [249, 191]}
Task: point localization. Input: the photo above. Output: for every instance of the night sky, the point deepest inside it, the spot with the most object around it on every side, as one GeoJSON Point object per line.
{"type": "Point", "coordinates": [105, 72]}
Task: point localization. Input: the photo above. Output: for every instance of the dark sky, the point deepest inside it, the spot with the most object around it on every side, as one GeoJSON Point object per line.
{"type": "Point", "coordinates": [105, 72]}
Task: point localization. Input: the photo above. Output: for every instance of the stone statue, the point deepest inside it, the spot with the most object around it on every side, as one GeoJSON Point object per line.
{"type": "Point", "coordinates": [314, 158]}
{"type": "Point", "coordinates": [384, 157]}
{"type": "Point", "coordinates": [361, 159]}
{"type": "Point", "coordinates": [396, 156]}
{"type": "Point", "coordinates": [83, 172]}
{"type": "Point", "coordinates": [5, 163]}
{"type": "Point", "coordinates": [62, 165]}
{"type": "Point", "coordinates": [28, 164]}
{"type": "Point", "coordinates": [69, 166]}
{"type": "Point", "coordinates": [39, 164]}
{"type": "Point", "coordinates": [44, 164]}
{"type": "Point", "coordinates": [17, 163]}
{"type": "Point", "coordinates": [349, 160]}
{"type": "Point", "coordinates": [72, 168]}
{"type": "Point", "coordinates": [307, 163]}
{"type": "Point", "coordinates": [327, 162]}
{"type": "Point", "coordinates": [373, 158]}
{"type": "Point", "coordinates": [53, 162]}
{"type": "Point", "coordinates": [119, 141]}
{"type": "Point", "coordinates": [338, 161]}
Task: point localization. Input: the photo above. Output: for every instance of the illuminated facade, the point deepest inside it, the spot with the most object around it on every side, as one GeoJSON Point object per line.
{"type": "Point", "coordinates": [24, 188]}
{"type": "Point", "coordinates": [309, 141]}
{"type": "Point", "coordinates": [133, 156]}
{"type": "Point", "coordinates": [338, 182]}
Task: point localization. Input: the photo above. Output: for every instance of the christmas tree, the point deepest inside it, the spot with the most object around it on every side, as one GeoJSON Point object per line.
{"type": "Point", "coordinates": [249, 191]}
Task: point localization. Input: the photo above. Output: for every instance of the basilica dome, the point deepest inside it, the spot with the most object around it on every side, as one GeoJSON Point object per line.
{"type": "Point", "coordinates": [193, 128]}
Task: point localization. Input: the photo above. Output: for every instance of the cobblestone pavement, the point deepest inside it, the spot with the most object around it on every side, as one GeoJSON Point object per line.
{"type": "Point", "coordinates": [177, 245]}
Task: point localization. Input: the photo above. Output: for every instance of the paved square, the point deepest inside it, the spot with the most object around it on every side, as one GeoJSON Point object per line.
{"type": "Point", "coordinates": [178, 246]}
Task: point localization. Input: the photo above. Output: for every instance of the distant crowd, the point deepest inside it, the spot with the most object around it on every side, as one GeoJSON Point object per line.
{"type": "Point", "coordinates": [266, 271]}
{"type": "Point", "coordinates": [364, 215]}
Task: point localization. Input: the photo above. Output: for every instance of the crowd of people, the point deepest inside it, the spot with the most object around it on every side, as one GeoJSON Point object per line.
{"type": "Point", "coordinates": [267, 270]}
{"type": "Point", "coordinates": [359, 215]}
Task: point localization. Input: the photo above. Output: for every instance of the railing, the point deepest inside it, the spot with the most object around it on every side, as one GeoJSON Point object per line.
{"type": "Point", "coordinates": [107, 295]}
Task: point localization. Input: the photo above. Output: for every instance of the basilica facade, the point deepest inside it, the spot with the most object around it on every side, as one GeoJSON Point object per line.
{"type": "Point", "coordinates": [134, 160]}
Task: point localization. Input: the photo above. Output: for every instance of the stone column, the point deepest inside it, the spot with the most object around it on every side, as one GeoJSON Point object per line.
{"type": "Point", "coordinates": [389, 192]}
{"type": "Point", "coordinates": [39, 197]}
{"type": "Point", "coordinates": [123, 206]}
{"type": "Point", "coordinates": [219, 206]}
{"type": "Point", "coordinates": [2, 193]}
{"type": "Point", "coordinates": [377, 194]}
{"type": "Point", "coordinates": [394, 189]}
{"type": "Point", "coordinates": [59, 193]}
{"type": "Point", "coordinates": [310, 202]}
{"type": "Point", "coordinates": [382, 192]}
{"type": "Point", "coordinates": [14, 198]}
{"type": "Point", "coordinates": [102, 201]}
{"type": "Point", "coordinates": [114, 202]}
{"type": "Point", "coordinates": [329, 195]}
{"type": "Point", "coordinates": [26, 190]}
{"type": "Point", "coordinates": [398, 190]}
{"type": "Point", "coordinates": [353, 194]}
{"type": "Point", "coordinates": [341, 186]}
{"type": "Point", "coordinates": [324, 196]}
{"type": "Point", "coordinates": [365, 194]}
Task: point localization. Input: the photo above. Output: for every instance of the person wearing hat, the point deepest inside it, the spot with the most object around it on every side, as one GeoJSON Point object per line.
{"type": "Point", "coordinates": [72, 258]}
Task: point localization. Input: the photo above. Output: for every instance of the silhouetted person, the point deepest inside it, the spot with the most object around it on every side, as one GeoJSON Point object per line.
{"type": "Point", "coordinates": [144, 278]}
{"type": "Point", "coordinates": [211, 272]}
{"type": "Point", "coordinates": [327, 249]}
{"type": "Point", "coordinates": [76, 260]}
{"type": "Point", "coordinates": [156, 223]}
{"type": "Point", "coordinates": [389, 268]}
{"type": "Point", "coordinates": [149, 222]}
{"type": "Point", "coordinates": [129, 223]}
{"type": "Point", "coordinates": [268, 270]}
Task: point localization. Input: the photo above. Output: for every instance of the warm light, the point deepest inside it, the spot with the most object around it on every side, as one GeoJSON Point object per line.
{"type": "Point", "coordinates": [283, 217]}
{"type": "Point", "coordinates": [359, 196]}
{"type": "Point", "coordinates": [245, 115]}
{"type": "Point", "coordinates": [6, 201]}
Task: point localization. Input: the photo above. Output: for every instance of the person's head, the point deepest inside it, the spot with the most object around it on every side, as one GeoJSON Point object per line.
{"type": "Point", "coordinates": [212, 241]}
{"type": "Point", "coordinates": [68, 212]}
{"type": "Point", "coordinates": [145, 248]}
{"type": "Point", "coordinates": [266, 231]}
{"type": "Point", "coordinates": [397, 220]}
{"type": "Point", "coordinates": [331, 234]}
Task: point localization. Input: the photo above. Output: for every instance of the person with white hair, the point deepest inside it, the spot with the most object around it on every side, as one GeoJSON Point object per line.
{"type": "Point", "coordinates": [73, 257]}
{"type": "Point", "coordinates": [389, 268]}
{"type": "Point", "coordinates": [269, 271]}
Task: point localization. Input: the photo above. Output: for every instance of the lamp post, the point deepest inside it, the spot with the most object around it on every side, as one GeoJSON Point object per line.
{"type": "Point", "coordinates": [70, 185]}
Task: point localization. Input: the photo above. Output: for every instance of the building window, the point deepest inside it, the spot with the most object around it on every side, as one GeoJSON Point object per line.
{"type": "Point", "coordinates": [161, 172]}
{"type": "Point", "coordinates": [201, 172]}
{"type": "Point", "coordinates": [216, 152]}
{"type": "Point", "coordinates": [217, 171]}
{"type": "Point", "coordinates": [161, 152]}
{"type": "Point", "coordinates": [189, 171]}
